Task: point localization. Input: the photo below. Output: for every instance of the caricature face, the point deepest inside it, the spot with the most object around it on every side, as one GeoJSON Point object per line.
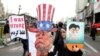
{"type": "Point", "coordinates": [72, 30]}
{"type": "Point", "coordinates": [43, 42]}
{"type": "Point", "coordinates": [77, 30]}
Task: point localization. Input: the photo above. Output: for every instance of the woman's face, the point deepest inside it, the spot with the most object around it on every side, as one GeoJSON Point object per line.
{"type": "Point", "coordinates": [63, 33]}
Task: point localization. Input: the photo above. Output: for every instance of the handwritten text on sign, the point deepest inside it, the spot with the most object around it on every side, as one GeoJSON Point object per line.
{"type": "Point", "coordinates": [17, 27]}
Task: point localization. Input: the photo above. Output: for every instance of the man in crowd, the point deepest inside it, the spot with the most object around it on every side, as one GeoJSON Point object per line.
{"type": "Point", "coordinates": [6, 33]}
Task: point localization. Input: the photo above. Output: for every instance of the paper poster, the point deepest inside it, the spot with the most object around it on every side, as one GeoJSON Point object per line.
{"type": "Point", "coordinates": [17, 27]}
{"type": "Point", "coordinates": [45, 14]}
{"type": "Point", "coordinates": [75, 32]}
{"type": "Point", "coordinates": [40, 43]}
{"type": "Point", "coordinates": [75, 35]}
{"type": "Point", "coordinates": [32, 39]}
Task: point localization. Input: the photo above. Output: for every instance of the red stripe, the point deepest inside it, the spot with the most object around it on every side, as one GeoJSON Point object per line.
{"type": "Point", "coordinates": [37, 13]}
{"type": "Point", "coordinates": [44, 12]}
{"type": "Point", "coordinates": [52, 14]}
{"type": "Point", "coordinates": [49, 12]}
{"type": "Point", "coordinates": [39, 18]}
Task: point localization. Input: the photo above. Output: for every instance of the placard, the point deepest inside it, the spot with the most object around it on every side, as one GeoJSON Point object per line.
{"type": "Point", "coordinates": [17, 27]}
{"type": "Point", "coordinates": [32, 39]}
{"type": "Point", "coordinates": [75, 35]}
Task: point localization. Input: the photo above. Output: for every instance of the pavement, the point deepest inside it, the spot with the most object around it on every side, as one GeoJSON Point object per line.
{"type": "Point", "coordinates": [9, 42]}
{"type": "Point", "coordinates": [12, 50]}
{"type": "Point", "coordinates": [92, 48]}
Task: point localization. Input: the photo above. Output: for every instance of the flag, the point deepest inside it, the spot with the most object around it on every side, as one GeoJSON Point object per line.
{"type": "Point", "coordinates": [45, 14]}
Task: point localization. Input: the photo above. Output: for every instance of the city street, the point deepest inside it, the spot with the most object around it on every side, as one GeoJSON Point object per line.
{"type": "Point", "coordinates": [92, 48]}
{"type": "Point", "coordinates": [37, 21]}
{"type": "Point", "coordinates": [12, 50]}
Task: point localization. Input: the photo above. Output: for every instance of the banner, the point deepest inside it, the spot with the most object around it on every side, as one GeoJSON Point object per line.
{"type": "Point", "coordinates": [17, 27]}
{"type": "Point", "coordinates": [75, 34]}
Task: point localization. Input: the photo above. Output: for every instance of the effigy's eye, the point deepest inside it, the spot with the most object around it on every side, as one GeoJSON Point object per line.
{"type": "Point", "coordinates": [43, 34]}
{"type": "Point", "coordinates": [37, 35]}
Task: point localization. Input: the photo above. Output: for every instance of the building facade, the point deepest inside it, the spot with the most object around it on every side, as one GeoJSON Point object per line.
{"type": "Point", "coordinates": [80, 9]}
{"type": "Point", "coordinates": [97, 11]}
{"type": "Point", "coordinates": [90, 14]}
{"type": "Point", "coordinates": [1, 10]}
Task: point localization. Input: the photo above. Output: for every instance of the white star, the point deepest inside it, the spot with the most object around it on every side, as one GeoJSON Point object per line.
{"type": "Point", "coordinates": [41, 25]}
{"type": "Point", "coordinates": [47, 25]}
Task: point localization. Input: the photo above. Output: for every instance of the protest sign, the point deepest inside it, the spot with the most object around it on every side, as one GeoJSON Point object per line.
{"type": "Point", "coordinates": [17, 26]}
{"type": "Point", "coordinates": [32, 39]}
{"type": "Point", "coordinates": [75, 35]}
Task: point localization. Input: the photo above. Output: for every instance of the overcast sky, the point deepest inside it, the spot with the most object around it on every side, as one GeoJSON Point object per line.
{"type": "Point", "coordinates": [63, 8]}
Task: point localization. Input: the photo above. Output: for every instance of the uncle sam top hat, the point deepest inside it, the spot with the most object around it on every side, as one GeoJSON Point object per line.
{"type": "Point", "coordinates": [45, 14]}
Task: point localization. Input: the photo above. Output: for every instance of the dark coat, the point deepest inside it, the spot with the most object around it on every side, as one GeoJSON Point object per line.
{"type": "Point", "coordinates": [93, 32]}
{"type": "Point", "coordinates": [57, 36]}
{"type": "Point", "coordinates": [59, 46]}
{"type": "Point", "coordinates": [62, 51]}
{"type": "Point", "coordinates": [6, 28]}
{"type": "Point", "coordinates": [25, 43]}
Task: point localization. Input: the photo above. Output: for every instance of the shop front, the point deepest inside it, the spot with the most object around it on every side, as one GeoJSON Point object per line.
{"type": "Point", "coordinates": [97, 26]}
{"type": "Point", "coordinates": [97, 17]}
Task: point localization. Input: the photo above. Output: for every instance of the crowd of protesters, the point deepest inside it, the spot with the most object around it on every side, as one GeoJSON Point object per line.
{"type": "Point", "coordinates": [60, 48]}
{"type": "Point", "coordinates": [58, 34]}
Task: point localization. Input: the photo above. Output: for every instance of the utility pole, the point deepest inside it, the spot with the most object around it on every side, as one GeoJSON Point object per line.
{"type": "Point", "coordinates": [93, 13]}
{"type": "Point", "coordinates": [19, 8]}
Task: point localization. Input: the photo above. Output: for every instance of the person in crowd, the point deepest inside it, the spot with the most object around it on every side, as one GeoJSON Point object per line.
{"type": "Point", "coordinates": [57, 37]}
{"type": "Point", "coordinates": [25, 46]}
{"type": "Point", "coordinates": [93, 32]}
{"type": "Point", "coordinates": [6, 33]}
{"type": "Point", "coordinates": [53, 26]}
{"type": "Point", "coordinates": [29, 26]}
{"type": "Point", "coordinates": [25, 42]}
{"type": "Point", "coordinates": [62, 48]}
{"type": "Point", "coordinates": [76, 51]}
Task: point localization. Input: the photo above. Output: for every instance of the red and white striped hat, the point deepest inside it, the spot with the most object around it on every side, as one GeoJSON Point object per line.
{"type": "Point", "coordinates": [45, 12]}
